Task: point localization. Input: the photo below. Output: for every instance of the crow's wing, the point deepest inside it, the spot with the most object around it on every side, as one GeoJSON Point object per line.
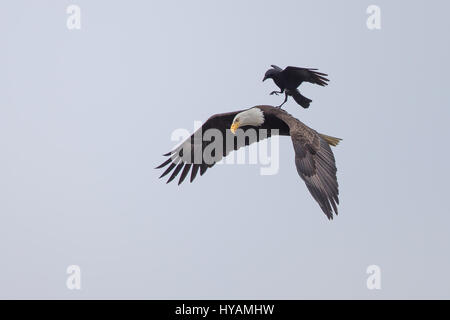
{"type": "Point", "coordinates": [276, 67]}
{"type": "Point", "coordinates": [295, 76]}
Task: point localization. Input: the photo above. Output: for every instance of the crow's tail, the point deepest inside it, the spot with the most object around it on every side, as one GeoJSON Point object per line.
{"type": "Point", "coordinates": [300, 99]}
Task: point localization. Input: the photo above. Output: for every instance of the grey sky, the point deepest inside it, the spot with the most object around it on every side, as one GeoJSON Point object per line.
{"type": "Point", "coordinates": [86, 114]}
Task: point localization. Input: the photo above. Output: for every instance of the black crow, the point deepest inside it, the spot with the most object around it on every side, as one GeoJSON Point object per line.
{"type": "Point", "coordinates": [290, 78]}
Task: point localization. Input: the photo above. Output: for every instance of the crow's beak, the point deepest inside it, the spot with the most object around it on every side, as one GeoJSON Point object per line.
{"type": "Point", "coordinates": [265, 78]}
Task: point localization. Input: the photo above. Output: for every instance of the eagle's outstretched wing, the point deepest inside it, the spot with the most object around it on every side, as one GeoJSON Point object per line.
{"type": "Point", "coordinates": [295, 76]}
{"type": "Point", "coordinates": [190, 155]}
{"type": "Point", "coordinates": [316, 164]}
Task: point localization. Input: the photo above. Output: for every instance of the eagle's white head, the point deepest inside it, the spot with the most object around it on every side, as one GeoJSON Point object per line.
{"type": "Point", "coordinates": [251, 117]}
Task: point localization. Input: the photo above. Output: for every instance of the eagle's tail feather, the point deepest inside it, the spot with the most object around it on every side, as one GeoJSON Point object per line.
{"type": "Point", "coordinates": [332, 141]}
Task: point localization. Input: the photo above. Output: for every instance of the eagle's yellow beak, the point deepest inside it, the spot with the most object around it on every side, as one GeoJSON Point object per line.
{"type": "Point", "coordinates": [234, 126]}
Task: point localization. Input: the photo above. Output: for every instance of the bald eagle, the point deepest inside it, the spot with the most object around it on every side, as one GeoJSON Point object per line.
{"type": "Point", "coordinates": [313, 156]}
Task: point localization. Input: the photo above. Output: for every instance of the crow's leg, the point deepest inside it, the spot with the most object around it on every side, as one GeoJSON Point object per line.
{"type": "Point", "coordinates": [285, 99]}
{"type": "Point", "coordinates": [276, 92]}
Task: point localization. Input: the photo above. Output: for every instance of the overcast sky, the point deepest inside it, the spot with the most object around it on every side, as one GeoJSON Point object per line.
{"type": "Point", "coordinates": [85, 116]}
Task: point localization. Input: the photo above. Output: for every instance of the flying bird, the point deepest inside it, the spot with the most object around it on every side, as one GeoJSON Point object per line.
{"type": "Point", "coordinates": [289, 79]}
{"type": "Point", "coordinates": [314, 159]}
